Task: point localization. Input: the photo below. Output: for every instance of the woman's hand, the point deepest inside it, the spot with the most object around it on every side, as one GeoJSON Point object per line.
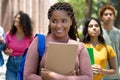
{"type": "Point", "coordinates": [8, 51]}
{"type": "Point", "coordinates": [49, 75]}
{"type": "Point", "coordinates": [97, 69]}
{"type": "Point", "coordinates": [1, 39]}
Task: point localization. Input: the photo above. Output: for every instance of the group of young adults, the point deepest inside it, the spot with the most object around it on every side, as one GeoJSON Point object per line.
{"type": "Point", "coordinates": [101, 35]}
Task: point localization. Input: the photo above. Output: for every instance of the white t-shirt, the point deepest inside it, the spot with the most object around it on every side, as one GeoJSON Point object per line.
{"type": "Point", "coordinates": [2, 32]}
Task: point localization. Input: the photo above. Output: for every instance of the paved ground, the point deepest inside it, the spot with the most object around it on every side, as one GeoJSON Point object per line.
{"type": "Point", "coordinates": [3, 68]}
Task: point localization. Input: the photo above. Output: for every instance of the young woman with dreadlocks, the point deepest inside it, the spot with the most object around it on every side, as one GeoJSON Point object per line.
{"type": "Point", "coordinates": [62, 29]}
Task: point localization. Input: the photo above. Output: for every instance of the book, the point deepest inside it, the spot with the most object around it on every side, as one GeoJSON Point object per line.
{"type": "Point", "coordinates": [61, 57]}
{"type": "Point", "coordinates": [91, 55]}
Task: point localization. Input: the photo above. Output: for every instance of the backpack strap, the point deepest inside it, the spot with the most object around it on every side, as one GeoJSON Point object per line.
{"type": "Point", "coordinates": [41, 48]}
{"type": "Point", "coordinates": [41, 44]}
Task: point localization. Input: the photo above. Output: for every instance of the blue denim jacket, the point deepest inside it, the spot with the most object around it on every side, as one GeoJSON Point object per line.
{"type": "Point", "coordinates": [1, 56]}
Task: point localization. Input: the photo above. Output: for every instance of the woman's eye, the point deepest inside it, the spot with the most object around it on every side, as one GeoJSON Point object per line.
{"type": "Point", "coordinates": [96, 25]}
{"type": "Point", "coordinates": [64, 21]}
{"type": "Point", "coordinates": [18, 17]}
{"type": "Point", "coordinates": [90, 26]}
{"type": "Point", "coordinates": [54, 21]}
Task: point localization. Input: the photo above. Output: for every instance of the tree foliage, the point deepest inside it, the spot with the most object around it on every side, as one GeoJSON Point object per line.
{"type": "Point", "coordinates": [86, 8]}
{"type": "Point", "coordinates": [117, 5]}
{"type": "Point", "coordinates": [79, 7]}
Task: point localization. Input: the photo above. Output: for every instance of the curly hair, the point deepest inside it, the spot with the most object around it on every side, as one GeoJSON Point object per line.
{"type": "Point", "coordinates": [68, 8]}
{"type": "Point", "coordinates": [103, 9]}
{"type": "Point", "coordinates": [25, 24]}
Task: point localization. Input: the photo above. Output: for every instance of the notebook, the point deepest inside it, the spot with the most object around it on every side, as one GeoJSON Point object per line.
{"type": "Point", "coordinates": [91, 55]}
{"type": "Point", "coordinates": [61, 57]}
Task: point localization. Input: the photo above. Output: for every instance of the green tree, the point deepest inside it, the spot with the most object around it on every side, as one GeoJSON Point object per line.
{"type": "Point", "coordinates": [79, 7]}
{"type": "Point", "coordinates": [117, 5]}
{"type": "Point", "coordinates": [86, 8]}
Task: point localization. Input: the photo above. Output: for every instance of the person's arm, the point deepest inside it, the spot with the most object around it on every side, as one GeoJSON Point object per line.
{"type": "Point", "coordinates": [6, 49]}
{"type": "Point", "coordinates": [112, 69]}
{"type": "Point", "coordinates": [2, 41]}
{"type": "Point", "coordinates": [84, 66]}
{"type": "Point", "coordinates": [31, 63]}
{"type": "Point", "coordinates": [2, 35]}
{"type": "Point", "coordinates": [111, 61]}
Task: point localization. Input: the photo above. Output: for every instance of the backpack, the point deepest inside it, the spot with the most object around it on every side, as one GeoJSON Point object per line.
{"type": "Point", "coordinates": [41, 48]}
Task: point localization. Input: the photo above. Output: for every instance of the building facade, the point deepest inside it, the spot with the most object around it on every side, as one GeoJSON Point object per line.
{"type": "Point", "coordinates": [36, 9]}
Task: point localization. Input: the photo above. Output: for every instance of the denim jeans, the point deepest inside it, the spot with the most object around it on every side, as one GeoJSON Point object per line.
{"type": "Point", "coordinates": [13, 64]}
{"type": "Point", "coordinates": [1, 59]}
{"type": "Point", "coordinates": [1, 56]}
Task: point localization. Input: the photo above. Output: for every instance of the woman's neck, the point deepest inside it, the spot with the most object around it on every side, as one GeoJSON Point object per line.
{"type": "Point", "coordinates": [19, 35]}
{"type": "Point", "coordinates": [64, 39]}
{"type": "Point", "coordinates": [94, 41]}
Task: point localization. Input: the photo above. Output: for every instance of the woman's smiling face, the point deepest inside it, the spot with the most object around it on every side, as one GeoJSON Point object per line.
{"type": "Point", "coordinates": [60, 23]}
